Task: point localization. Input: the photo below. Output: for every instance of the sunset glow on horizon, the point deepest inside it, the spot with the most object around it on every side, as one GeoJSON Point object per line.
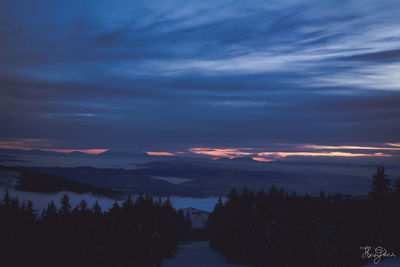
{"type": "Point", "coordinates": [354, 147]}
{"type": "Point", "coordinates": [320, 154]}
{"type": "Point", "coordinates": [160, 154]}
{"type": "Point", "coordinates": [270, 153]}
{"type": "Point", "coordinates": [393, 144]}
{"type": "Point", "coordinates": [43, 145]}
{"type": "Point", "coordinates": [232, 153]}
{"type": "Point", "coordinates": [249, 77]}
{"type": "Point", "coordinates": [261, 159]}
{"type": "Point", "coordinates": [24, 143]}
{"type": "Point", "coordinates": [86, 151]}
{"type": "Point", "coordinates": [220, 152]}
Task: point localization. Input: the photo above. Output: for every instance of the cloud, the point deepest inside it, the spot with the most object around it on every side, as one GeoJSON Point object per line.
{"type": "Point", "coordinates": [352, 147]}
{"type": "Point", "coordinates": [373, 77]}
{"type": "Point", "coordinates": [85, 151]}
{"type": "Point", "coordinates": [392, 144]}
{"type": "Point", "coordinates": [261, 159]}
{"type": "Point", "coordinates": [220, 152]}
{"type": "Point", "coordinates": [276, 155]}
{"type": "Point", "coordinates": [24, 143]}
{"type": "Point", "coordinates": [68, 115]}
{"type": "Point", "coordinates": [160, 153]}
{"type": "Point", "coordinates": [42, 144]}
{"type": "Point", "coordinates": [384, 55]}
{"type": "Point", "coordinates": [170, 75]}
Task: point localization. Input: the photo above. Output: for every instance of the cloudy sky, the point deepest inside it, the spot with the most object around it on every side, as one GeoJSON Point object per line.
{"type": "Point", "coordinates": [187, 75]}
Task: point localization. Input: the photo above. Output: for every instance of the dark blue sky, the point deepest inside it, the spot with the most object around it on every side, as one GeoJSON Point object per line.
{"type": "Point", "coordinates": [171, 75]}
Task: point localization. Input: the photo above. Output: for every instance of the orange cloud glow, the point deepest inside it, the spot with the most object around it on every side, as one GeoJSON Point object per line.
{"type": "Point", "coordinates": [231, 153]}
{"type": "Point", "coordinates": [86, 151]}
{"type": "Point", "coordinates": [42, 144]}
{"type": "Point", "coordinates": [160, 154]}
{"type": "Point", "coordinates": [219, 152]}
{"type": "Point", "coordinates": [353, 147]}
{"type": "Point", "coordinates": [25, 143]}
{"type": "Point", "coordinates": [393, 144]}
{"type": "Point", "coordinates": [319, 154]}
{"type": "Point", "coordinates": [262, 159]}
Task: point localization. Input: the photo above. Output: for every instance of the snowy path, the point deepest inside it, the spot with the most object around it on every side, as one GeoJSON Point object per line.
{"type": "Point", "coordinates": [197, 254]}
{"type": "Point", "coordinates": [395, 262]}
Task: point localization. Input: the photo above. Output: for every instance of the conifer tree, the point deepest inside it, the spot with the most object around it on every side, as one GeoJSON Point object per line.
{"type": "Point", "coordinates": [396, 191]}
{"type": "Point", "coordinates": [29, 210]}
{"type": "Point", "coordinates": [115, 209]}
{"type": "Point", "coordinates": [6, 199]}
{"type": "Point", "coordinates": [65, 208]}
{"type": "Point", "coordinates": [380, 185]}
{"type": "Point", "coordinates": [50, 214]}
{"type": "Point", "coordinates": [97, 209]}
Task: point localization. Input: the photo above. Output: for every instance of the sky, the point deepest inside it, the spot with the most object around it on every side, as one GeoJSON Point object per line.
{"type": "Point", "coordinates": [199, 76]}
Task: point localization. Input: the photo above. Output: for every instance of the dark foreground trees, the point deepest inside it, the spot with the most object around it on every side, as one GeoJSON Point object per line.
{"type": "Point", "coordinates": [264, 229]}
{"type": "Point", "coordinates": [276, 229]}
{"type": "Point", "coordinates": [141, 232]}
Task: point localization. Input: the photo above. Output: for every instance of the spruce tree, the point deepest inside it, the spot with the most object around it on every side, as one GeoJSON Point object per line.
{"type": "Point", "coordinates": [6, 199]}
{"type": "Point", "coordinates": [65, 209]}
{"type": "Point", "coordinates": [29, 211]}
{"type": "Point", "coordinates": [380, 185]}
{"type": "Point", "coordinates": [97, 209]}
{"type": "Point", "coordinates": [50, 214]}
{"type": "Point", "coordinates": [396, 191]}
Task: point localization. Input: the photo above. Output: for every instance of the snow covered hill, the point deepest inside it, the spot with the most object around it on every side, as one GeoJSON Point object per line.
{"type": "Point", "coordinates": [198, 217]}
{"type": "Point", "coordinates": [9, 178]}
{"type": "Point", "coordinates": [394, 262]}
{"type": "Point", "coordinates": [32, 181]}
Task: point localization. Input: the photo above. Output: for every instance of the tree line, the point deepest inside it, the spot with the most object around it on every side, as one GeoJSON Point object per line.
{"type": "Point", "coordinates": [271, 228]}
{"type": "Point", "coordinates": [276, 228]}
{"type": "Point", "coordinates": [140, 232]}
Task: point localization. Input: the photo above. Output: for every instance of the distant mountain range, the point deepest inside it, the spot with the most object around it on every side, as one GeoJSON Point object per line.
{"type": "Point", "coordinates": [205, 179]}
{"type": "Point", "coordinates": [136, 172]}
{"type": "Point", "coordinates": [32, 181]}
{"type": "Point", "coordinates": [108, 153]}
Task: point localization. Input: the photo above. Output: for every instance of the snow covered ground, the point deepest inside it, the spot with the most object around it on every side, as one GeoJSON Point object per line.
{"type": "Point", "coordinates": [9, 178]}
{"type": "Point", "coordinates": [395, 262]}
{"type": "Point", "coordinates": [197, 254]}
{"type": "Point", "coordinates": [198, 217]}
{"type": "Point", "coordinates": [41, 200]}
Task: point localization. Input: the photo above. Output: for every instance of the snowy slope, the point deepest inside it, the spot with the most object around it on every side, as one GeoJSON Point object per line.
{"type": "Point", "coordinates": [9, 178]}
{"type": "Point", "coordinates": [32, 181]}
{"type": "Point", "coordinates": [198, 217]}
{"type": "Point", "coordinates": [394, 262]}
{"type": "Point", "coordinates": [197, 254]}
